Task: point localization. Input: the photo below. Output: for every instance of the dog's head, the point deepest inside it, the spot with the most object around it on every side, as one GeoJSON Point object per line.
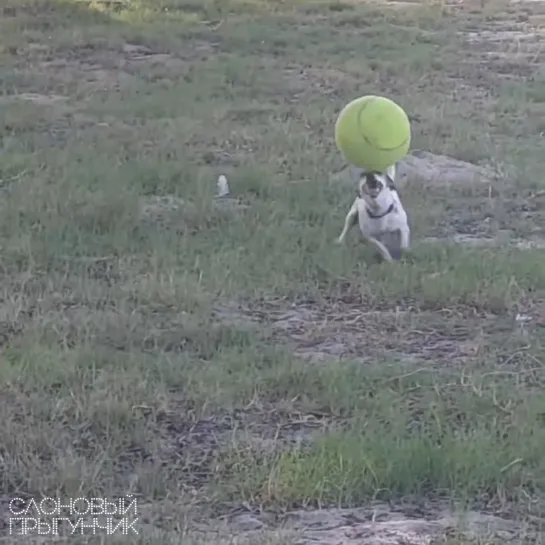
{"type": "Point", "coordinates": [373, 183]}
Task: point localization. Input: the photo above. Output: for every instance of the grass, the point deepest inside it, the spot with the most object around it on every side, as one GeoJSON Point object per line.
{"type": "Point", "coordinates": [203, 359]}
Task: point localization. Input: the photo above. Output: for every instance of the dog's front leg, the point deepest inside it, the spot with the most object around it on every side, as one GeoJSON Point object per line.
{"type": "Point", "coordinates": [381, 248]}
{"type": "Point", "coordinates": [349, 222]}
{"type": "Point", "coordinates": [405, 238]}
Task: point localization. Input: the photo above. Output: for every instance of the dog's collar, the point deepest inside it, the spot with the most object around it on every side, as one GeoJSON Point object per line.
{"type": "Point", "coordinates": [378, 216]}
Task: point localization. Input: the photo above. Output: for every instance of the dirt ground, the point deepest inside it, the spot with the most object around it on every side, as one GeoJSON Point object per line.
{"type": "Point", "coordinates": [222, 362]}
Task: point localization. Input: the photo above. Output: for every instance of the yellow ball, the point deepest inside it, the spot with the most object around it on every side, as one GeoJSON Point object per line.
{"type": "Point", "coordinates": [373, 133]}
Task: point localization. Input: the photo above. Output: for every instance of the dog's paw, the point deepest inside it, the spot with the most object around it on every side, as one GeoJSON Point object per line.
{"type": "Point", "coordinates": [396, 253]}
{"type": "Point", "coordinates": [407, 256]}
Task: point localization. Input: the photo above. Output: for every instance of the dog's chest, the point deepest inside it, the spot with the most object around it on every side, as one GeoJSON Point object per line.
{"type": "Point", "coordinates": [377, 225]}
{"type": "Point", "coordinates": [386, 229]}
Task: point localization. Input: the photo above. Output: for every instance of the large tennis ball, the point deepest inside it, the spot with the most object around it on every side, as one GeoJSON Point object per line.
{"type": "Point", "coordinates": [373, 133]}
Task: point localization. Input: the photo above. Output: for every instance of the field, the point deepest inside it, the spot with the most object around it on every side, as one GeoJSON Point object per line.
{"type": "Point", "coordinates": [224, 362]}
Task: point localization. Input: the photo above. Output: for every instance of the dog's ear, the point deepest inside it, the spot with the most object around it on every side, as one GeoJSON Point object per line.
{"type": "Point", "coordinates": [362, 187]}
{"type": "Point", "coordinates": [390, 183]}
{"type": "Point", "coordinates": [391, 171]}
{"type": "Point", "coordinates": [390, 175]}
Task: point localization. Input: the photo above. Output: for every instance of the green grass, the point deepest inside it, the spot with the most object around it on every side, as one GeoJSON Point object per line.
{"type": "Point", "coordinates": [415, 436]}
{"type": "Point", "coordinates": [203, 358]}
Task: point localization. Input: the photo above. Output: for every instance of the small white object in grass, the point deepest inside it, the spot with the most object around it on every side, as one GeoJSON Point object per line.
{"type": "Point", "coordinates": [223, 187]}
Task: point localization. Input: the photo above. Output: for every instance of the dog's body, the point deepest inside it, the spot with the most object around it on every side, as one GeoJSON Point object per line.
{"type": "Point", "coordinates": [379, 212]}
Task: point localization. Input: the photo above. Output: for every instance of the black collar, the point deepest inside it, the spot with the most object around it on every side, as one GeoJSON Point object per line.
{"type": "Point", "coordinates": [377, 216]}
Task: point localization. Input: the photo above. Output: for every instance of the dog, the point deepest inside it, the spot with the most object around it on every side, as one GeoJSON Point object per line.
{"type": "Point", "coordinates": [380, 214]}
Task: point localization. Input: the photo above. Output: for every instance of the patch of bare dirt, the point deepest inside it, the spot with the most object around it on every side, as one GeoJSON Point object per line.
{"type": "Point", "coordinates": [169, 211]}
{"type": "Point", "coordinates": [55, 108]}
{"type": "Point", "coordinates": [350, 330]}
{"type": "Point", "coordinates": [345, 327]}
{"type": "Point", "coordinates": [35, 98]}
{"type": "Point", "coordinates": [377, 524]}
{"type": "Point", "coordinates": [508, 49]}
{"type": "Point", "coordinates": [188, 448]}
{"type": "Point", "coordinates": [477, 241]}
{"type": "Point", "coordinates": [386, 526]}
{"type": "Point", "coordinates": [303, 81]}
{"type": "Point", "coordinates": [103, 68]}
{"type": "Point", "coordinates": [397, 4]}
{"type": "Point", "coordinates": [427, 168]}
{"type": "Point", "coordinates": [134, 55]}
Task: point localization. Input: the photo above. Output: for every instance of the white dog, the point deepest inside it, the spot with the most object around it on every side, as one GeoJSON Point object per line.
{"type": "Point", "coordinates": [379, 212]}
